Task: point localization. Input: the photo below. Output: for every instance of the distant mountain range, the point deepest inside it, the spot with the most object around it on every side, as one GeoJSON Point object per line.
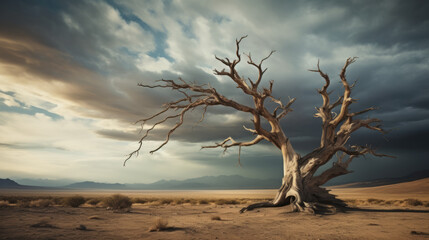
{"type": "Point", "coordinates": [201, 183]}
{"type": "Point", "coordinates": [221, 182]}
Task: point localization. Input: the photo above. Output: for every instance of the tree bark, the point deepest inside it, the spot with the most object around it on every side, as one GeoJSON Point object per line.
{"type": "Point", "coordinates": [300, 188]}
{"type": "Point", "coordinates": [301, 195]}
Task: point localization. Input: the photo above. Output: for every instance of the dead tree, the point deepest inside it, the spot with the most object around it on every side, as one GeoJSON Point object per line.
{"type": "Point", "coordinates": [300, 188]}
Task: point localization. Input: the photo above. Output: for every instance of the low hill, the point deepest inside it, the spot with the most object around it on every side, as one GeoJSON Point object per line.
{"type": "Point", "coordinates": [221, 182]}
{"type": "Point", "coordinates": [7, 183]}
{"type": "Point", "coordinates": [387, 181]}
{"type": "Point", "coordinates": [96, 185]}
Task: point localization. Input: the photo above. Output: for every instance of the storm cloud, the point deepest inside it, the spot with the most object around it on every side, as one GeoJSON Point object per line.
{"type": "Point", "coordinates": [76, 65]}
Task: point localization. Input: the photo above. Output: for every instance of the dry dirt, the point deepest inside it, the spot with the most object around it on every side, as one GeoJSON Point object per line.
{"type": "Point", "coordinates": [195, 221]}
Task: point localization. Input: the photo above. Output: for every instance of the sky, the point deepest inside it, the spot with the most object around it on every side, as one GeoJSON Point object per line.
{"type": "Point", "coordinates": [69, 72]}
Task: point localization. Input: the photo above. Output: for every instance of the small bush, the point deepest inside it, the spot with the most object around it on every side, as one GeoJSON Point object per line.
{"type": "Point", "coordinates": [58, 200]}
{"type": "Point", "coordinates": [166, 201]}
{"type": "Point", "coordinates": [93, 201]}
{"type": "Point", "coordinates": [118, 201]}
{"type": "Point", "coordinates": [4, 204]}
{"type": "Point", "coordinates": [215, 218]}
{"type": "Point", "coordinates": [225, 201]}
{"type": "Point", "coordinates": [374, 201]}
{"type": "Point", "coordinates": [413, 202]}
{"type": "Point", "coordinates": [179, 201]}
{"type": "Point", "coordinates": [140, 200]}
{"type": "Point", "coordinates": [74, 201]}
{"type": "Point", "coordinates": [23, 204]}
{"type": "Point", "coordinates": [13, 200]}
{"type": "Point", "coordinates": [42, 203]}
{"type": "Point", "coordinates": [159, 224]}
{"type": "Point", "coordinates": [203, 201]}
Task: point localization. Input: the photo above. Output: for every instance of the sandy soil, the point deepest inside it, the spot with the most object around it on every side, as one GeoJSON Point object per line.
{"type": "Point", "coordinates": [415, 189]}
{"type": "Point", "coordinates": [194, 222]}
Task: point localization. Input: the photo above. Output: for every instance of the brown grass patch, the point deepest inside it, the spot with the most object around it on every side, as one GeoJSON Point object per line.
{"type": "Point", "coordinates": [74, 201]}
{"type": "Point", "coordinates": [160, 224]}
{"type": "Point", "coordinates": [215, 218]}
{"type": "Point", "coordinates": [409, 202]}
{"type": "Point", "coordinates": [94, 201]}
{"type": "Point", "coordinates": [4, 204]}
{"type": "Point", "coordinates": [118, 202]}
{"type": "Point", "coordinates": [41, 203]}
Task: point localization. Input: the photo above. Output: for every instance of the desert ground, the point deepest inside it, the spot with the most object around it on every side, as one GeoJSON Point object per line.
{"type": "Point", "coordinates": [375, 213]}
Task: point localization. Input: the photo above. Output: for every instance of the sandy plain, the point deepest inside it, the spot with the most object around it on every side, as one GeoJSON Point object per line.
{"type": "Point", "coordinates": [186, 221]}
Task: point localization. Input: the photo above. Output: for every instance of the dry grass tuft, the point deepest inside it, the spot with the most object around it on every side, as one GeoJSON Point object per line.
{"type": "Point", "coordinates": [413, 202]}
{"type": "Point", "coordinates": [160, 224]}
{"type": "Point", "coordinates": [118, 201]}
{"type": "Point", "coordinates": [74, 201]}
{"type": "Point", "coordinates": [93, 201]}
{"type": "Point", "coordinates": [402, 203]}
{"type": "Point", "coordinates": [41, 203]}
{"type": "Point", "coordinates": [23, 204]}
{"type": "Point", "coordinates": [4, 204]}
{"type": "Point", "coordinates": [215, 218]}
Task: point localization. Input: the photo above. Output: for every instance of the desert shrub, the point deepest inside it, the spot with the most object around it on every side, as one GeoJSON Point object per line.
{"type": "Point", "coordinates": [93, 201]}
{"type": "Point", "coordinates": [118, 201]}
{"type": "Point", "coordinates": [58, 200]}
{"type": "Point", "coordinates": [203, 201]}
{"type": "Point", "coordinates": [215, 218]}
{"type": "Point", "coordinates": [220, 202]}
{"type": "Point", "coordinates": [179, 201]}
{"type": "Point", "coordinates": [226, 201]}
{"type": "Point", "coordinates": [4, 204]}
{"type": "Point", "coordinates": [140, 200]}
{"type": "Point", "coordinates": [23, 204]}
{"type": "Point", "coordinates": [101, 204]}
{"type": "Point", "coordinates": [42, 203]}
{"type": "Point", "coordinates": [374, 201]}
{"type": "Point", "coordinates": [12, 200]}
{"type": "Point", "coordinates": [159, 224]}
{"type": "Point", "coordinates": [74, 201]}
{"type": "Point", "coordinates": [166, 201]}
{"type": "Point", "coordinates": [352, 202]}
{"type": "Point", "coordinates": [413, 202]}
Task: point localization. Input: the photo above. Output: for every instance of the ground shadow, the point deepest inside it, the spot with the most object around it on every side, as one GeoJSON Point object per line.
{"type": "Point", "coordinates": [170, 229]}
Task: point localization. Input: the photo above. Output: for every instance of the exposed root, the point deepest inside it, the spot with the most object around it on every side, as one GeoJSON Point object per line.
{"type": "Point", "coordinates": [258, 205]}
{"type": "Point", "coordinates": [306, 207]}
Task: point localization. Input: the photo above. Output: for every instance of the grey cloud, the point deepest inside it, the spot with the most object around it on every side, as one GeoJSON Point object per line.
{"type": "Point", "coordinates": [390, 38]}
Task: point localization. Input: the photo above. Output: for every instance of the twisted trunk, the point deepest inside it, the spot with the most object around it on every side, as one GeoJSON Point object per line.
{"type": "Point", "coordinates": [300, 189]}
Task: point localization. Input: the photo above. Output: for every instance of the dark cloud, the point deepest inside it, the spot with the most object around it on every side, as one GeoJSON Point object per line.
{"type": "Point", "coordinates": [86, 52]}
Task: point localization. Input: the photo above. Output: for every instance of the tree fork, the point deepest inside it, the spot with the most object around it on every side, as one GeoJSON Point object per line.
{"type": "Point", "coordinates": [300, 188]}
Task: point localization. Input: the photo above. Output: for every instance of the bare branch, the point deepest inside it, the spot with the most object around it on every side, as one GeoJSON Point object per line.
{"type": "Point", "coordinates": [224, 144]}
{"type": "Point", "coordinates": [250, 130]}
{"type": "Point", "coordinates": [259, 67]}
{"type": "Point", "coordinates": [347, 91]}
{"type": "Point", "coordinates": [361, 112]}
